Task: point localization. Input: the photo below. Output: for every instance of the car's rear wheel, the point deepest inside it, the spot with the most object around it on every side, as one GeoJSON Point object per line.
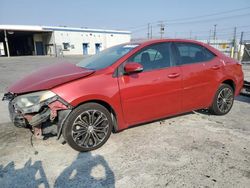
{"type": "Point", "coordinates": [88, 127]}
{"type": "Point", "coordinates": [223, 100]}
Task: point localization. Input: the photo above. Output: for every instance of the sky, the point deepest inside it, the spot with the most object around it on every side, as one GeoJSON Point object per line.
{"type": "Point", "coordinates": [181, 18]}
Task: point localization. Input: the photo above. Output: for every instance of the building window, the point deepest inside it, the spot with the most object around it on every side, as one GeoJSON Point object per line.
{"type": "Point", "coordinates": [66, 46]}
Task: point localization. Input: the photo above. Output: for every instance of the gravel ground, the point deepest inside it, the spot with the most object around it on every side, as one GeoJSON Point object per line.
{"type": "Point", "coordinates": [191, 150]}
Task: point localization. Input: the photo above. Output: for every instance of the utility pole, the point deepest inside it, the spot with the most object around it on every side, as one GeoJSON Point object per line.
{"type": "Point", "coordinates": [209, 37]}
{"type": "Point", "coordinates": [6, 42]}
{"type": "Point", "coordinates": [241, 44]}
{"type": "Point", "coordinates": [190, 35]}
{"type": "Point", "coordinates": [161, 28]}
{"type": "Point", "coordinates": [241, 37]}
{"type": "Point", "coordinates": [148, 34]}
{"type": "Point", "coordinates": [215, 25]}
{"type": "Point", "coordinates": [234, 43]}
{"type": "Point", "coordinates": [151, 31]}
{"type": "Point", "coordinates": [235, 31]}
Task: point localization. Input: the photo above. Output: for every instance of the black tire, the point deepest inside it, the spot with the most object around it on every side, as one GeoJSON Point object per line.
{"type": "Point", "coordinates": [88, 127]}
{"type": "Point", "coordinates": [223, 100]}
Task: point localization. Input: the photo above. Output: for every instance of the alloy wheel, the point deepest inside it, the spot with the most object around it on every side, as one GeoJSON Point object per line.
{"type": "Point", "coordinates": [225, 100]}
{"type": "Point", "coordinates": [90, 128]}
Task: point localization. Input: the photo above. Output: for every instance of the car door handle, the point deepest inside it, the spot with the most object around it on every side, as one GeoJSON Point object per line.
{"type": "Point", "coordinates": [174, 75]}
{"type": "Point", "coordinates": [216, 67]}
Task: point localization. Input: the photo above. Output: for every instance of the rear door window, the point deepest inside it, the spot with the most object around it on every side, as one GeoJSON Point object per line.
{"type": "Point", "coordinates": [192, 53]}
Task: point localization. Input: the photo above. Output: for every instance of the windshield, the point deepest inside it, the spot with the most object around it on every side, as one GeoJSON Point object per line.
{"type": "Point", "coordinates": [106, 57]}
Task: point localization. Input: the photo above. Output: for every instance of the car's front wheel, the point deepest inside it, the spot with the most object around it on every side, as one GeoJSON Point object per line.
{"type": "Point", "coordinates": [223, 100]}
{"type": "Point", "coordinates": [88, 127]}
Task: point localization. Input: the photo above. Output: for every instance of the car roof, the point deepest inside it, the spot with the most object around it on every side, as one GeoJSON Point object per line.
{"type": "Point", "coordinates": [154, 41]}
{"type": "Point", "coordinates": [151, 41]}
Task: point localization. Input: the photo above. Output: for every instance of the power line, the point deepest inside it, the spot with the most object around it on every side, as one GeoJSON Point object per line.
{"type": "Point", "coordinates": [219, 30]}
{"type": "Point", "coordinates": [199, 21]}
{"type": "Point", "coordinates": [208, 15]}
{"type": "Point", "coordinates": [209, 34]}
{"type": "Point", "coordinates": [209, 20]}
{"type": "Point", "coordinates": [230, 28]}
{"type": "Point", "coordinates": [197, 33]}
{"type": "Point", "coordinates": [190, 18]}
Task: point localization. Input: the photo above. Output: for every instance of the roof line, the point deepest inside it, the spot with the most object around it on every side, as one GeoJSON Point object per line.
{"type": "Point", "coordinates": [55, 28]}
{"type": "Point", "coordinates": [84, 30]}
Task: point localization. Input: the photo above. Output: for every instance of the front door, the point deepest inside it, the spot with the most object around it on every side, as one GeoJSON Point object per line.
{"type": "Point", "coordinates": [155, 92]}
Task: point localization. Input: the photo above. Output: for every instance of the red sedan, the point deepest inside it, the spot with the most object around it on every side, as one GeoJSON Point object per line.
{"type": "Point", "coordinates": [123, 86]}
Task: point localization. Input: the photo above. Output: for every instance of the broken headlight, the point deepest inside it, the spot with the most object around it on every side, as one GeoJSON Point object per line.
{"type": "Point", "coordinates": [32, 102]}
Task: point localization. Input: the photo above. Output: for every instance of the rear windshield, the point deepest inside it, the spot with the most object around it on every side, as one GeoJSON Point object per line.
{"type": "Point", "coordinates": [106, 57]}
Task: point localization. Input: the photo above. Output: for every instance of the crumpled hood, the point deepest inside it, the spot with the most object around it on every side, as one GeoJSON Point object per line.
{"type": "Point", "coordinates": [49, 77]}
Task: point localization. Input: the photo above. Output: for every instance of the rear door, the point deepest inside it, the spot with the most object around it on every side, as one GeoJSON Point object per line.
{"type": "Point", "coordinates": [199, 67]}
{"type": "Point", "coordinates": [156, 91]}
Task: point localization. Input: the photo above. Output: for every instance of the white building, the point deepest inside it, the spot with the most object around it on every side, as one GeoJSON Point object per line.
{"type": "Point", "coordinates": [47, 40]}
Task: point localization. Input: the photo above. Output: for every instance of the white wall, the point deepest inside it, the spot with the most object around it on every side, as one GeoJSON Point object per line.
{"type": "Point", "coordinates": [77, 38]}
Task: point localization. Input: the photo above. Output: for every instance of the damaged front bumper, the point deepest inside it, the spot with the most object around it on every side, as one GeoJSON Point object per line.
{"type": "Point", "coordinates": [53, 111]}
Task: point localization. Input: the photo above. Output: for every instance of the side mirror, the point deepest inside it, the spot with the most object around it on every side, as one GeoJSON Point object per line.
{"type": "Point", "coordinates": [133, 67]}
